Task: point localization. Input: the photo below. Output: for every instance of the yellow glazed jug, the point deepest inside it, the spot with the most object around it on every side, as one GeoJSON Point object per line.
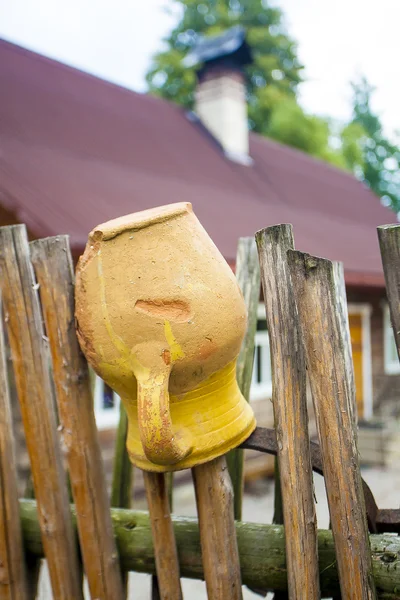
{"type": "Point", "coordinates": [161, 319]}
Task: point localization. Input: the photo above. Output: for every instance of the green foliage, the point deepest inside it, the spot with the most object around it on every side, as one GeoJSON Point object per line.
{"type": "Point", "coordinates": [272, 78]}
{"type": "Point", "coordinates": [360, 146]}
{"type": "Point", "coordinates": [381, 157]}
{"type": "Point", "coordinates": [274, 74]}
{"type": "Point", "coordinates": [352, 138]}
{"type": "Point", "coordinates": [290, 125]}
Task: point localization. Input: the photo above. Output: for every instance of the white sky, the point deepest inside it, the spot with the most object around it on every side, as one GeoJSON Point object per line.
{"type": "Point", "coordinates": [116, 39]}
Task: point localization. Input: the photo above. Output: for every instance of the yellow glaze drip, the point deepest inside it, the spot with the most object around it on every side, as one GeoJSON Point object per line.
{"type": "Point", "coordinates": [174, 347]}
{"type": "Point", "coordinates": [215, 413]}
{"type": "Point", "coordinates": [161, 442]}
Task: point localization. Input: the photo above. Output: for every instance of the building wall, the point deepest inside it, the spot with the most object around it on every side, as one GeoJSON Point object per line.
{"type": "Point", "coordinates": [386, 386]}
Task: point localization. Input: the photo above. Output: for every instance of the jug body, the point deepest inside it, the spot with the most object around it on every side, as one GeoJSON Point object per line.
{"type": "Point", "coordinates": [161, 319]}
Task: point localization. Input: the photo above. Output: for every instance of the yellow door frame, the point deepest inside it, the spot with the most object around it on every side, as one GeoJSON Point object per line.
{"type": "Point", "coordinates": [365, 310]}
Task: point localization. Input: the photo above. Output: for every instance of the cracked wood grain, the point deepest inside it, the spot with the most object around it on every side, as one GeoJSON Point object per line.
{"type": "Point", "coordinates": [248, 276]}
{"type": "Point", "coordinates": [168, 584]}
{"type": "Point", "coordinates": [219, 549]}
{"type": "Point", "coordinates": [289, 399]}
{"type": "Point", "coordinates": [389, 241]}
{"type": "Point", "coordinates": [31, 368]}
{"type": "Point", "coordinates": [52, 261]}
{"type": "Point", "coordinates": [316, 294]}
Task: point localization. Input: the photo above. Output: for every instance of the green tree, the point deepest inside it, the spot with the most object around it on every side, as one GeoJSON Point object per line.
{"type": "Point", "coordinates": [290, 125]}
{"type": "Point", "coordinates": [273, 76]}
{"type": "Point", "coordinates": [321, 137]}
{"type": "Point", "coordinates": [380, 168]}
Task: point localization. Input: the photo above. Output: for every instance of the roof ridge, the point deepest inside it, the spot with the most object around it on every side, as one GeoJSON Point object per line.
{"type": "Point", "coordinates": [304, 155]}
{"type": "Point", "coordinates": [54, 62]}
{"type": "Point", "coordinates": [59, 64]}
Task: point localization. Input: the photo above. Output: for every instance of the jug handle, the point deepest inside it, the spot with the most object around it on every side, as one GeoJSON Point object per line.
{"type": "Point", "coordinates": [161, 444]}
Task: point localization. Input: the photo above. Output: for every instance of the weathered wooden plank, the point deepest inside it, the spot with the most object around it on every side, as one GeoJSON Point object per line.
{"type": "Point", "coordinates": [277, 518]}
{"type": "Point", "coordinates": [52, 261]}
{"type": "Point", "coordinates": [389, 241]}
{"type": "Point", "coordinates": [166, 557]}
{"type": "Point", "coordinates": [248, 276]}
{"type": "Point", "coordinates": [262, 551]}
{"type": "Point", "coordinates": [169, 479]}
{"type": "Point", "coordinates": [122, 479]}
{"type": "Point", "coordinates": [343, 315]}
{"type": "Point", "coordinates": [13, 582]}
{"type": "Point", "coordinates": [289, 399]}
{"type": "Point", "coordinates": [345, 326]}
{"type": "Point", "coordinates": [30, 361]}
{"type": "Point", "coordinates": [214, 499]}
{"type": "Point", "coordinates": [318, 303]}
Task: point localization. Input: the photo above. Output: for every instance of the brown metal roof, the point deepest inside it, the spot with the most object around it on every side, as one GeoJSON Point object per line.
{"type": "Point", "coordinates": [76, 151]}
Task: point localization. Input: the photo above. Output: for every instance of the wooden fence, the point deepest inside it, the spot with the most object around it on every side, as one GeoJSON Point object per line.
{"type": "Point", "coordinates": [70, 522]}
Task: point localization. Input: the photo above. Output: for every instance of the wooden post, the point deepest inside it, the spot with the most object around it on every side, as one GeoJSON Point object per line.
{"type": "Point", "coordinates": [169, 585]}
{"type": "Point", "coordinates": [318, 303]}
{"type": "Point", "coordinates": [389, 241]}
{"type": "Point", "coordinates": [262, 551]}
{"type": "Point", "coordinates": [26, 335]}
{"type": "Point", "coordinates": [343, 316]}
{"type": "Point", "coordinates": [168, 481]}
{"type": "Point", "coordinates": [214, 498]}
{"type": "Point", "coordinates": [53, 265]}
{"type": "Point", "coordinates": [290, 412]}
{"type": "Point", "coordinates": [122, 481]}
{"type": "Point", "coordinates": [13, 583]}
{"type": "Point", "coordinates": [248, 276]}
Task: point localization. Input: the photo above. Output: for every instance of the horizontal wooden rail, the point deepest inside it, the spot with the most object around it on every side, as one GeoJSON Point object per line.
{"type": "Point", "coordinates": [261, 548]}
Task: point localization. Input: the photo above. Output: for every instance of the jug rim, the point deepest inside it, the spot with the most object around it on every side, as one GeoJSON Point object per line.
{"type": "Point", "coordinates": [139, 220]}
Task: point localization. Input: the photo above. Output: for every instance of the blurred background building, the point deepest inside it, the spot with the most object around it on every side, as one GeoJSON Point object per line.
{"type": "Point", "coordinates": [221, 126]}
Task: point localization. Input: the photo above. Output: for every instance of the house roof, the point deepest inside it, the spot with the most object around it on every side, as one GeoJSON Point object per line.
{"type": "Point", "coordinates": [76, 151]}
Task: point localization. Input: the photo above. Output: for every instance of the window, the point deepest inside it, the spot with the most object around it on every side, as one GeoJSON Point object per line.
{"type": "Point", "coordinates": [392, 364]}
{"type": "Point", "coordinates": [106, 405]}
{"type": "Point", "coordinates": [261, 385]}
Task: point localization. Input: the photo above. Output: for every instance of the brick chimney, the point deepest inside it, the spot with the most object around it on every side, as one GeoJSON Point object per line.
{"type": "Point", "coordinates": [220, 98]}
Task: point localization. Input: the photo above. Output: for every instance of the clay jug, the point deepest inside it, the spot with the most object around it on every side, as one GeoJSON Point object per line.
{"type": "Point", "coordinates": [161, 319]}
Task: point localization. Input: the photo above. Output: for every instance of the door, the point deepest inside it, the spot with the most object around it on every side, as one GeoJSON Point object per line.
{"type": "Point", "coordinates": [356, 335]}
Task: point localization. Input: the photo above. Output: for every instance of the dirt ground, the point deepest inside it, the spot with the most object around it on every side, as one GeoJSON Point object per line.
{"type": "Point", "coordinates": [257, 507]}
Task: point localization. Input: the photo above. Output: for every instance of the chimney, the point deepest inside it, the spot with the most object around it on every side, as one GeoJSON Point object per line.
{"type": "Point", "coordinates": [220, 98]}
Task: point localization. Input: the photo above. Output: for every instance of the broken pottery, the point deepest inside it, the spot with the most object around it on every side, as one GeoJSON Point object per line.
{"type": "Point", "coordinates": [161, 319]}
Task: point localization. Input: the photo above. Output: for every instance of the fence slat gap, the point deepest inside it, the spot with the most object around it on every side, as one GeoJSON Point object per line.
{"type": "Point", "coordinates": [316, 294]}
{"type": "Point", "coordinates": [248, 276]}
{"type": "Point", "coordinates": [52, 261]}
{"type": "Point", "coordinates": [122, 480]}
{"type": "Point", "coordinates": [290, 412]}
